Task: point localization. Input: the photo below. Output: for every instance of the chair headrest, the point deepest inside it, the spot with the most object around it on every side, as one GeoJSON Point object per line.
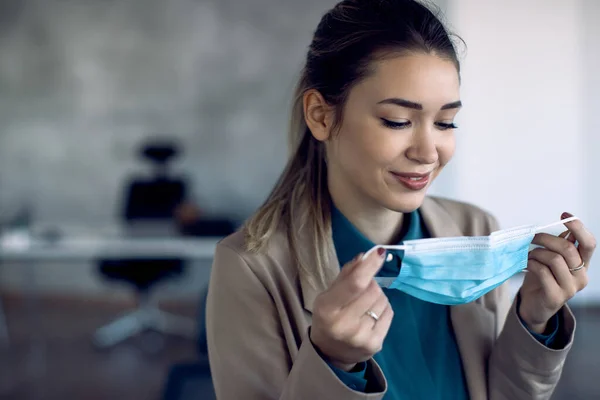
{"type": "Point", "coordinates": [160, 151]}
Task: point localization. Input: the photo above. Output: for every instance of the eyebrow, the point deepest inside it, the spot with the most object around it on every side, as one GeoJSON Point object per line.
{"type": "Point", "coordinates": [416, 106]}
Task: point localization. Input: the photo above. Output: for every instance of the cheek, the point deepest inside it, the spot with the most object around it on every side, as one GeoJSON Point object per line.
{"type": "Point", "coordinates": [446, 148]}
{"type": "Point", "coordinates": [367, 145]}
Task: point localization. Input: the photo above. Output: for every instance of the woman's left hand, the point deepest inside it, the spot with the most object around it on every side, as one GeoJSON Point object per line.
{"type": "Point", "coordinates": [551, 279]}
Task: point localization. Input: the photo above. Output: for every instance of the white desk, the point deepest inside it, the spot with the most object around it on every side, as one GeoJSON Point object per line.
{"type": "Point", "coordinates": [20, 247]}
{"type": "Point", "coordinates": [25, 249]}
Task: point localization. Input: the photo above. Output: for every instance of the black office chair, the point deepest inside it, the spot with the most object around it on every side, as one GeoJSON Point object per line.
{"type": "Point", "coordinates": [150, 201]}
{"type": "Point", "coordinates": [209, 227]}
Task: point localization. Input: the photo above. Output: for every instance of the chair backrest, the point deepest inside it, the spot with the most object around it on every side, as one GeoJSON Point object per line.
{"type": "Point", "coordinates": [211, 227]}
{"type": "Point", "coordinates": [153, 199]}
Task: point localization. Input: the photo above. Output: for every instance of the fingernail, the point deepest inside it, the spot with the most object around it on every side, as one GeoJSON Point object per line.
{"type": "Point", "coordinates": [381, 252]}
{"type": "Point", "coordinates": [566, 215]}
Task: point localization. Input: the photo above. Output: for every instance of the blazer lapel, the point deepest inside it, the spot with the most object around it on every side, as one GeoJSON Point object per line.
{"type": "Point", "coordinates": [472, 323]}
{"type": "Point", "coordinates": [310, 284]}
{"type": "Point", "coordinates": [437, 220]}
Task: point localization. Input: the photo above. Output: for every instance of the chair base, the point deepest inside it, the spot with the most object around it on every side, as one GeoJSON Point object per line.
{"type": "Point", "coordinates": [145, 317]}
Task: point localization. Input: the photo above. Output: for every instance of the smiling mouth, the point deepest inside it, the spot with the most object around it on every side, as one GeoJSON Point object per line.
{"type": "Point", "coordinates": [413, 181]}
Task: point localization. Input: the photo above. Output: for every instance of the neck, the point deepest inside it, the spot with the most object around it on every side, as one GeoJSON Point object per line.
{"type": "Point", "coordinates": [377, 223]}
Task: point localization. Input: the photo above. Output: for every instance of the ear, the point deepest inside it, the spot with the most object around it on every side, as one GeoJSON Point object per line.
{"type": "Point", "coordinates": [317, 114]}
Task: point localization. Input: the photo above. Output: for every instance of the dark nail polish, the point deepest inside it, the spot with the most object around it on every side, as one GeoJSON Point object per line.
{"type": "Point", "coordinates": [566, 215]}
{"type": "Point", "coordinates": [381, 251]}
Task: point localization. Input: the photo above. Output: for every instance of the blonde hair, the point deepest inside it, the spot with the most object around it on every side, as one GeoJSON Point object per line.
{"type": "Point", "coordinates": [300, 199]}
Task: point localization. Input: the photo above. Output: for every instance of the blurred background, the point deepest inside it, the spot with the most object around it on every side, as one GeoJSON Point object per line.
{"type": "Point", "coordinates": [106, 102]}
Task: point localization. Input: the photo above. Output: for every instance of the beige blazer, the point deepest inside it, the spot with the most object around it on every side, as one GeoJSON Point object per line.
{"type": "Point", "coordinates": [259, 313]}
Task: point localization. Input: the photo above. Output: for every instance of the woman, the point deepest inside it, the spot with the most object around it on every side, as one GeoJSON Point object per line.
{"type": "Point", "coordinates": [294, 311]}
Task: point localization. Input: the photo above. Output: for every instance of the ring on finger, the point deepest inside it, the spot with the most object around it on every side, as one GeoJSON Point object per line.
{"type": "Point", "coordinates": [577, 268]}
{"type": "Point", "coordinates": [372, 315]}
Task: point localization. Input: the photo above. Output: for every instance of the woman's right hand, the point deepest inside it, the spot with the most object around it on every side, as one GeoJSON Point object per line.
{"type": "Point", "coordinates": [342, 330]}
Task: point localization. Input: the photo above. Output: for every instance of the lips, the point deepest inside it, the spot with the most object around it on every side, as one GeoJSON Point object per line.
{"type": "Point", "coordinates": [411, 180]}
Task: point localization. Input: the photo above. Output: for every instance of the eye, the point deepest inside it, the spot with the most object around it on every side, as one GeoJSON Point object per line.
{"type": "Point", "coordinates": [395, 125]}
{"type": "Point", "coordinates": [444, 126]}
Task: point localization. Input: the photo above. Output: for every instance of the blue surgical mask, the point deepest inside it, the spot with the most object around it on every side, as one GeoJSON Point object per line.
{"type": "Point", "coordinates": [459, 270]}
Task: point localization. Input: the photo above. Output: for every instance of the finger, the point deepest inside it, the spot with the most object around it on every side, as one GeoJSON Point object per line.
{"type": "Point", "coordinates": [330, 303]}
{"type": "Point", "coordinates": [348, 287]}
{"type": "Point", "coordinates": [558, 268]}
{"type": "Point", "coordinates": [350, 265]}
{"type": "Point", "coordinates": [372, 335]}
{"type": "Point", "coordinates": [382, 326]}
{"type": "Point", "coordinates": [360, 275]}
{"type": "Point", "coordinates": [543, 275]}
{"type": "Point", "coordinates": [366, 301]}
{"type": "Point", "coordinates": [587, 241]}
{"type": "Point", "coordinates": [378, 308]}
{"type": "Point", "coordinates": [368, 268]}
{"type": "Point", "coordinates": [560, 246]}
{"type": "Point", "coordinates": [567, 236]}
{"type": "Point", "coordinates": [581, 278]}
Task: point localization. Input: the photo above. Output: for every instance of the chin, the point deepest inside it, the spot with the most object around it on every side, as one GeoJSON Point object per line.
{"type": "Point", "coordinates": [405, 202]}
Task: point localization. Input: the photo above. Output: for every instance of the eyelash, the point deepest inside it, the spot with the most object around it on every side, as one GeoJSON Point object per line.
{"type": "Point", "coordinates": [443, 126]}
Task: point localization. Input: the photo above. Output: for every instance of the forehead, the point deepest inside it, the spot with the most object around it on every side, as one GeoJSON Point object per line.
{"type": "Point", "coordinates": [423, 78]}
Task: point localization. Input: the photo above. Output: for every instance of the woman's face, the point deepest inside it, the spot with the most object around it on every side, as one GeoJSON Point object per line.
{"type": "Point", "coordinates": [397, 132]}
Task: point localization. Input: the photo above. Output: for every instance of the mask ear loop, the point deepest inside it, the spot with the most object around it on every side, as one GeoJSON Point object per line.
{"type": "Point", "coordinates": [383, 281]}
{"type": "Point", "coordinates": [562, 221]}
{"type": "Point", "coordinates": [399, 247]}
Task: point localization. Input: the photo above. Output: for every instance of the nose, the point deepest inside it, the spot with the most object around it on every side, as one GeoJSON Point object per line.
{"type": "Point", "coordinates": [423, 148]}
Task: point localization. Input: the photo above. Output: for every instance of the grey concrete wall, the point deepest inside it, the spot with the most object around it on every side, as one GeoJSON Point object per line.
{"type": "Point", "coordinates": [81, 82]}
